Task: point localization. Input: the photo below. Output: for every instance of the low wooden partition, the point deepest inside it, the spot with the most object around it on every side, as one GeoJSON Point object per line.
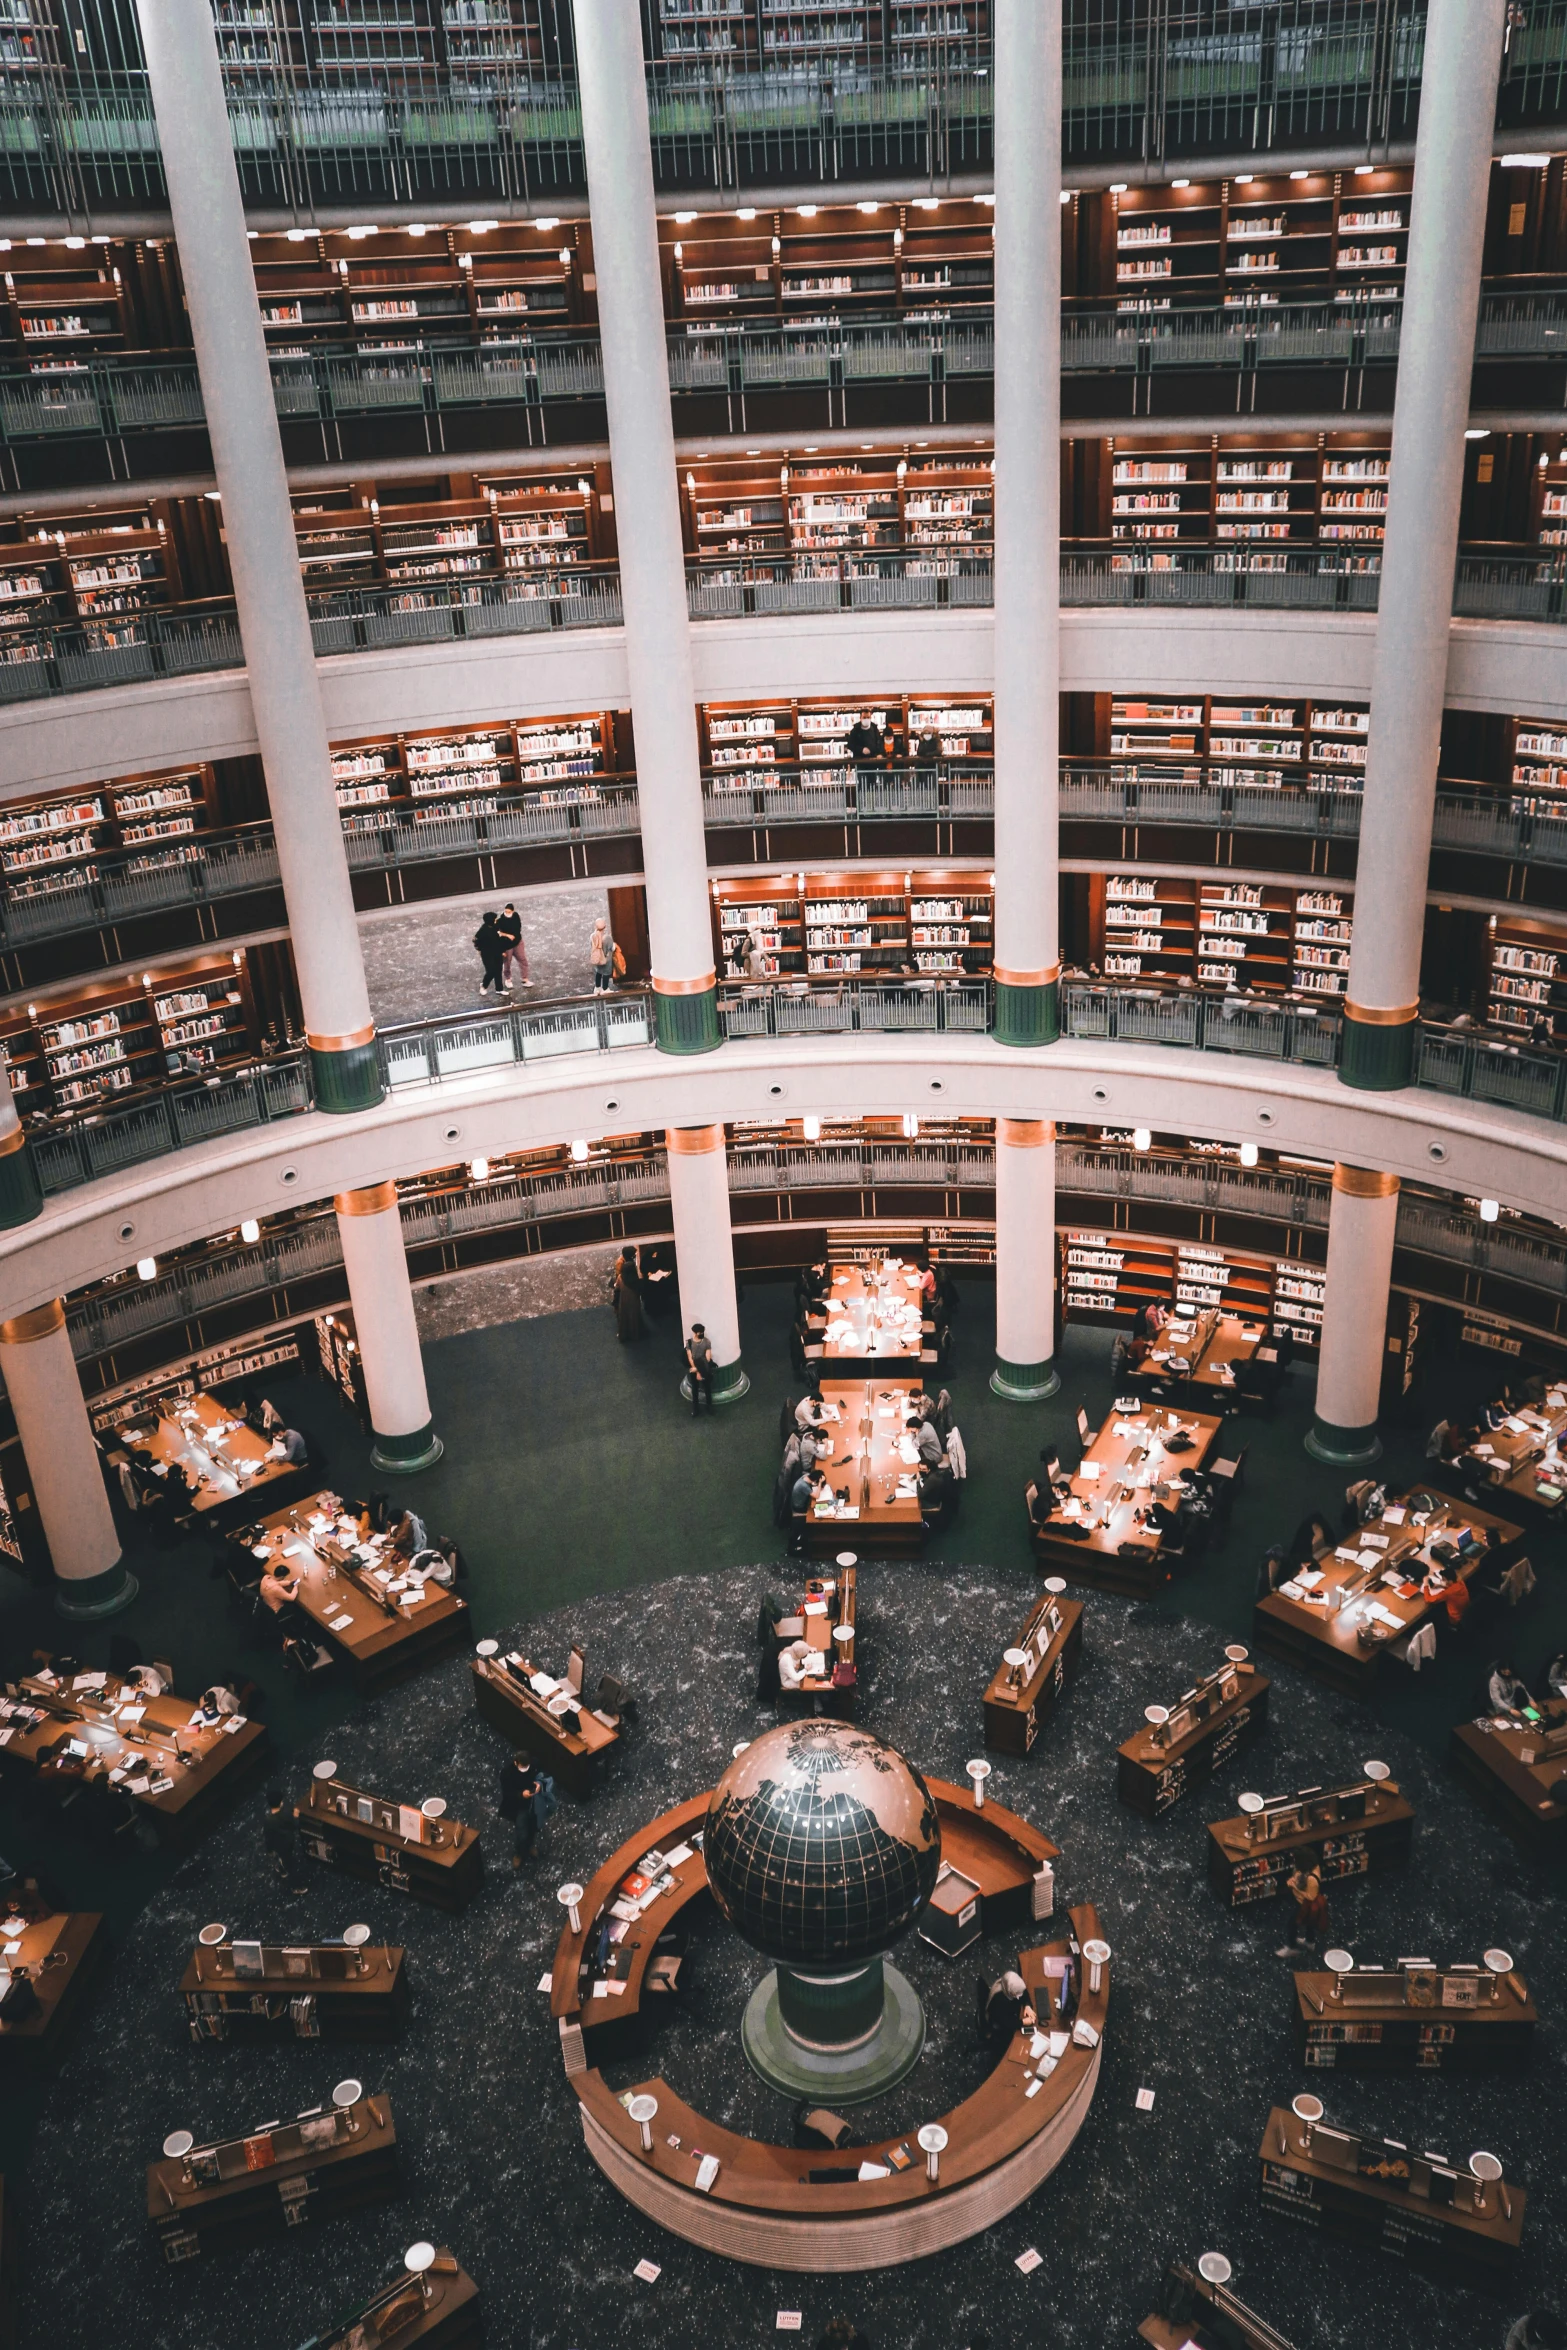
{"type": "Point", "coordinates": [769, 2205]}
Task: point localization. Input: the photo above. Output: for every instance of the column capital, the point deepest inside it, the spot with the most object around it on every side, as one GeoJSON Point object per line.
{"type": "Point", "coordinates": [1025, 1134]}
{"type": "Point", "coordinates": [693, 1142]}
{"type": "Point", "coordinates": [377, 1199]}
{"type": "Point", "coordinates": [41, 1322]}
{"type": "Point", "coordinates": [1364, 1183]}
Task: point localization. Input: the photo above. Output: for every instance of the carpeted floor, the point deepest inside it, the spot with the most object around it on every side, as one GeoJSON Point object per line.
{"type": "Point", "coordinates": [590, 1505]}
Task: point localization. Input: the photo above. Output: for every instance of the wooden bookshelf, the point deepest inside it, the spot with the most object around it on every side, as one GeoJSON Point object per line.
{"type": "Point", "coordinates": [1108, 1278]}
{"type": "Point", "coordinates": [473, 771]}
{"type": "Point", "coordinates": [59, 315]}
{"type": "Point", "coordinates": [1242, 745]}
{"type": "Point", "coordinates": [825, 264]}
{"type": "Point", "coordinates": [1526, 978]}
{"type": "Point", "coordinates": [1246, 491]}
{"type": "Point", "coordinates": [1256, 239]}
{"type": "Point", "coordinates": [79, 1047]}
{"type": "Point", "coordinates": [519, 528]}
{"type": "Point", "coordinates": [47, 843]}
{"type": "Point", "coordinates": [1144, 925]}
{"type": "Point", "coordinates": [748, 746]}
{"type": "Point", "coordinates": [829, 924]}
{"type": "Point", "coordinates": [1235, 935]}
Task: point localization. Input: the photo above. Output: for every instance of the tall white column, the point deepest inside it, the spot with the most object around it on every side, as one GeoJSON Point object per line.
{"type": "Point", "coordinates": [1025, 1369]}
{"type": "Point", "coordinates": [705, 1249]}
{"type": "Point", "coordinates": [1028, 517]}
{"type": "Point", "coordinates": [387, 1333]}
{"type": "Point", "coordinates": [1463, 48]}
{"type": "Point", "coordinates": [90, 1576]}
{"type": "Point", "coordinates": [20, 1197]}
{"type": "Point", "coordinates": [1361, 1226]}
{"type": "Point", "coordinates": [247, 454]}
{"type": "Point", "coordinates": [612, 83]}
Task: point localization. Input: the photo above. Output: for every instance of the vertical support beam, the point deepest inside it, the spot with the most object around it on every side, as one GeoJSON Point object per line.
{"type": "Point", "coordinates": [403, 1436]}
{"type": "Point", "coordinates": [613, 86]}
{"type": "Point", "coordinates": [90, 1576]}
{"type": "Point", "coordinates": [285, 692]}
{"type": "Point", "coordinates": [1028, 518]}
{"type": "Point", "coordinates": [705, 1249]}
{"type": "Point", "coordinates": [1419, 550]}
{"type": "Point", "coordinates": [1361, 1224]}
{"type": "Point", "coordinates": [1025, 1369]}
{"type": "Point", "coordinates": [21, 1197]}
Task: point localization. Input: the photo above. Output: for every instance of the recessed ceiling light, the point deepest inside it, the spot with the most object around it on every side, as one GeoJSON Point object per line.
{"type": "Point", "coordinates": [1363, 171]}
{"type": "Point", "coordinates": [1490, 1209]}
{"type": "Point", "coordinates": [806, 211]}
{"type": "Point", "coordinates": [1526, 162]}
{"type": "Point", "coordinates": [1243, 179]}
{"type": "Point", "coordinates": [1477, 432]}
{"type": "Point", "coordinates": [685, 219]}
{"type": "Point", "coordinates": [1300, 175]}
{"type": "Point", "coordinates": [746, 212]}
{"type": "Point", "coordinates": [74, 244]}
{"type": "Point", "coordinates": [1118, 187]}
{"type": "Point", "coordinates": [482, 228]}
{"type": "Point", "coordinates": [927, 203]}
{"type": "Point", "coordinates": [369, 229]}
{"type": "Point", "coordinates": [297, 236]}
{"type": "Point", "coordinates": [1180, 183]}
{"type": "Point", "coordinates": [250, 1231]}
{"type": "Point", "coordinates": [416, 228]}
{"type": "Point", "coordinates": [548, 221]}
{"type": "Point", "coordinates": [867, 206]}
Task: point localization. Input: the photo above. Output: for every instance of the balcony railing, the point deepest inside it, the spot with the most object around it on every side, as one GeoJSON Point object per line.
{"type": "Point", "coordinates": [832, 1007]}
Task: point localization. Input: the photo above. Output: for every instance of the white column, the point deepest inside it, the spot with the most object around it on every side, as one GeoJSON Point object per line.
{"type": "Point", "coordinates": [1025, 1369]}
{"type": "Point", "coordinates": [1361, 1225]}
{"type": "Point", "coordinates": [1028, 516]}
{"type": "Point", "coordinates": [1463, 48]}
{"type": "Point", "coordinates": [385, 1329]}
{"type": "Point", "coordinates": [285, 693]}
{"type": "Point", "coordinates": [90, 1576]}
{"type": "Point", "coordinates": [20, 1196]}
{"type": "Point", "coordinates": [705, 1250]}
{"type": "Point", "coordinates": [612, 83]}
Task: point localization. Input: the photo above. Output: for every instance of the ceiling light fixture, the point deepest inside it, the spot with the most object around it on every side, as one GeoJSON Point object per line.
{"type": "Point", "coordinates": [250, 1231]}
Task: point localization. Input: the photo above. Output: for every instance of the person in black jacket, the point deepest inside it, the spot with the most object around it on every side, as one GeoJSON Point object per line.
{"type": "Point", "coordinates": [281, 1842]}
{"type": "Point", "coordinates": [492, 954]}
{"type": "Point", "coordinates": [864, 741]}
{"type": "Point", "coordinates": [514, 955]}
{"type": "Point", "coordinates": [519, 1804]}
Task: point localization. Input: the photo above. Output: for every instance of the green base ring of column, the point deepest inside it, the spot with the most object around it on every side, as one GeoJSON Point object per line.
{"type": "Point", "coordinates": [687, 1023]}
{"type": "Point", "coordinates": [1025, 1382]}
{"type": "Point", "coordinates": [1027, 1015]}
{"type": "Point", "coordinates": [95, 1595]}
{"type": "Point", "coordinates": [729, 1383]}
{"type": "Point", "coordinates": [20, 1197]}
{"type": "Point", "coordinates": [1343, 1448]}
{"type": "Point", "coordinates": [1377, 1059]}
{"type": "Point", "coordinates": [347, 1081]}
{"type": "Point", "coordinates": [402, 1455]}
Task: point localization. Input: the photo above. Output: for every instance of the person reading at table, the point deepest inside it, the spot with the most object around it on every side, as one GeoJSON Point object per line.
{"type": "Point", "coordinates": [815, 1445]}
{"type": "Point", "coordinates": [279, 1586]}
{"type": "Point", "coordinates": [927, 1443]}
{"type": "Point", "coordinates": [288, 1445]}
{"type": "Point", "coordinates": [1505, 1693]}
{"type": "Point", "coordinates": [1451, 1590]}
{"type": "Point", "coordinates": [798, 1663]}
{"type": "Point", "coordinates": [809, 1488]}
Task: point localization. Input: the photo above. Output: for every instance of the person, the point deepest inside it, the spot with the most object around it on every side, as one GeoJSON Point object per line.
{"type": "Point", "coordinates": [937, 1487]}
{"type": "Point", "coordinates": [1452, 1591]}
{"type": "Point", "coordinates": [280, 1584]}
{"type": "Point", "coordinates": [409, 1536]}
{"type": "Point", "coordinates": [927, 1443]}
{"type": "Point", "coordinates": [150, 1680]}
{"type": "Point", "coordinates": [282, 1844]}
{"type": "Point", "coordinates": [1272, 1572]}
{"type": "Point", "coordinates": [810, 1411]}
{"type": "Point", "coordinates": [215, 1702]}
{"type": "Point", "coordinates": [514, 955]}
{"type": "Point", "coordinates": [1005, 2007]}
{"type": "Point", "coordinates": [519, 1803]}
{"type": "Point", "coordinates": [755, 965]}
{"type": "Point", "coordinates": [288, 1445]}
{"type": "Point", "coordinates": [627, 1293]}
{"type": "Point", "coordinates": [1155, 1315]}
{"type": "Point", "coordinates": [487, 939]}
{"type": "Point", "coordinates": [864, 741]}
{"type": "Point", "coordinates": [1311, 1908]}
{"type": "Point", "coordinates": [798, 1662]}
{"type": "Point", "coordinates": [1162, 1518]}
{"type": "Point", "coordinates": [927, 751]}
{"type": "Point", "coordinates": [1505, 1693]}
{"type": "Point", "coordinates": [1540, 2329]}
{"type": "Point", "coordinates": [450, 1566]}
{"type": "Point", "coordinates": [601, 955]}
{"type": "Point", "coordinates": [928, 1287]}
{"type": "Point", "coordinates": [699, 1368]}
{"type": "Point", "coordinates": [814, 1445]}
{"type": "Point", "coordinates": [1312, 1538]}
{"type": "Point", "coordinates": [809, 1488]}
{"type": "Point", "coordinates": [1556, 1675]}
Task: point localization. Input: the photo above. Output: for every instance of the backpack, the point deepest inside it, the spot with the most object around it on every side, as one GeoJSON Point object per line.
{"type": "Point", "coordinates": [545, 1801]}
{"type": "Point", "coordinates": [618, 964]}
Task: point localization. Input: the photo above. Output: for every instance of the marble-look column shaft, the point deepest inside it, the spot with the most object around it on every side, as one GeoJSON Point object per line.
{"type": "Point", "coordinates": [386, 1330]}
{"type": "Point", "coordinates": [1362, 1222]}
{"type": "Point", "coordinates": [705, 1249]}
{"type": "Point", "coordinates": [1025, 1369]}
{"type": "Point", "coordinates": [39, 1370]}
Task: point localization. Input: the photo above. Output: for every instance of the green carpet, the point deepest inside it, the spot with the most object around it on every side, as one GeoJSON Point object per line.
{"type": "Point", "coordinates": [572, 1467]}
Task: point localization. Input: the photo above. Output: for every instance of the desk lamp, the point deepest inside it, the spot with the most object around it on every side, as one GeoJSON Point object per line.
{"type": "Point", "coordinates": [979, 1772]}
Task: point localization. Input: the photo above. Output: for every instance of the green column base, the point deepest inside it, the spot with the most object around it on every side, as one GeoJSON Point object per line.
{"type": "Point", "coordinates": [1378, 1059]}
{"type": "Point", "coordinates": [817, 2069]}
{"type": "Point", "coordinates": [20, 1198]}
{"type": "Point", "coordinates": [84, 1601]}
{"type": "Point", "coordinates": [1027, 1015]}
{"type": "Point", "coordinates": [1025, 1382]}
{"type": "Point", "coordinates": [687, 1023]}
{"type": "Point", "coordinates": [402, 1455]}
{"type": "Point", "coordinates": [1343, 1448]}
{"type": "Point", "coordinates": [729, 1383]}
{"type": "Point", "coordinates": [347, 1081]}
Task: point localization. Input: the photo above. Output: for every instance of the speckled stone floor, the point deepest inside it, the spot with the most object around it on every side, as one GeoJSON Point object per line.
{"type": "Point", "coordinates": [420, 960]}
{"type": "Point", "coordinates": [494, 1294]}
{"type": "Point", "coordinates": [493, 2158]}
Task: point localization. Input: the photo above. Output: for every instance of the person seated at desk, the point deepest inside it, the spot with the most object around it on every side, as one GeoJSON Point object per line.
{"type": "Point", "coordinates": [1556, 1676]}
{"type": "Point", "coordinates": [809, 1488]}
{"type": "Point", "coordinates": [1451, 1590]}
{"type": "Point", "coordinates": [1312, 1539]}
{"type": "Point", "coordinates": [1505, 1693]}
{"type": "Point", "coordinates": [409, 1536]}
{"type": "Point", "coordinates": [927, 1443]}
{"type": "Point", "coordinates": [262, 1416]}
{"type": "Point", "coordinates": [279, 1586]}
{"type": "Point", "coordinates": [288, 1445]}
{"type": "Point", "coordinates": [938, 1487]}
{"type": "Point", "coordinates": [213, 1704]}
{"type": "Point", "coordinates": [797, 1663]}
{"type": "Point", "coordinates": [810, 1286]}
{"type": "Point", "coordinates": [1004, 2007]}
{"type": "Point", "coordinates": [450, 1567]}
{"type": "Point", "coordinates": [810, 1411]}
{"type": "Point", "coordinates": [815, 1445]}
{"type": "Point", "coordinates": [149, 1680]}
{"type": "Point", "coordinates": [1154, 1317]}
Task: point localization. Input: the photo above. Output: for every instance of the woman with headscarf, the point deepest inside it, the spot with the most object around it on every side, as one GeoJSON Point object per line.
{"type": "Point", "coordinates": [627, 1295]}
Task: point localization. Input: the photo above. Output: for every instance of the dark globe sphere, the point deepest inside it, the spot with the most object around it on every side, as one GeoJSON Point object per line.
{"type": "Point", "coordinates": [822, 1843]}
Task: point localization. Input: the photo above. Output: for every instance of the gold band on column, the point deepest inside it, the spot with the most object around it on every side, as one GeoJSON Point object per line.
{"type": "Point", "coordinates": [1364, 1183]}
{"type": "Point", "coordinates": [375, 1200]}
{"type": "Point", "coordinates": [42, 1322]}
{"type": "Point", "coordinates": [702, 986]}
{"type": "Point", "coordinates": [1380, 1015]}
{"type": "Point", "coordinates": [1025, 1134]}
{"type": "Point", "coordinates": [693, 1142]}
{"type": "Point", "coordinates": [1045, 977]}
{"type": "Point", "coordinates": [341, 1044]}
{"type": "Point", "coordinates": [16, 1140]}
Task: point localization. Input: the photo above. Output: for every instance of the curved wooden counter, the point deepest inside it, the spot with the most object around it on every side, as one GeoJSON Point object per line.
{"type": "Point", "coordinates": [764, 2207]}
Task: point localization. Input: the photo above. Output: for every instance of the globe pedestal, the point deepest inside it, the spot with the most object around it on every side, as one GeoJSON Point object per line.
{"type": "Point", "coordinates": [842, 2037]}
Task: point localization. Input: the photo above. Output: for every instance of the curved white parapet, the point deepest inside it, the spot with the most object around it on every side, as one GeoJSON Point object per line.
{"type": "Point", "coordinates": [844, 2244]}
{"type": "Point", "coordinates": [1515, 667]}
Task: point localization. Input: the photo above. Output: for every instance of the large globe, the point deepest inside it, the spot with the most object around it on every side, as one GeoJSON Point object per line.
{"type": "Point", "coordinates": [822, 1843]}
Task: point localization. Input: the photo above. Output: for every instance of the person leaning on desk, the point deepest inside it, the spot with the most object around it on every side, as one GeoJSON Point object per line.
{"type": "Point", "coordinates": [289, 1445]}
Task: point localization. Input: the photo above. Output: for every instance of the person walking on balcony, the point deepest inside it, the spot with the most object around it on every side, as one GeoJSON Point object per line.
{"type": "Point", "coordinates": [601, 955]}
{"type": "Point", "coordinates": [514, 955]}
{"type": "Point", "coordinates": [487, 939]}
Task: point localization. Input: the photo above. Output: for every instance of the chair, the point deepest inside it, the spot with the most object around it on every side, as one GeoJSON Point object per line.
{"type": "Point", "coordinates": [307, 1658]}
{"type": "Point", "coordinates": [664, 1973]}
{"type": "Point", "coordinates": [615, 1698]}
{"type": "Point", "coordinates": [1225, 1478]}
{"type": "Point", "coordinates": [576, 1664]}
{"type": "Point", "coordinates": [817, 2125]}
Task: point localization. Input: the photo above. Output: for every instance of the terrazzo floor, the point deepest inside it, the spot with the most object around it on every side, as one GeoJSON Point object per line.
{"type": "Point", "coordinates": [493, 2159]}
{"type": "Point", "coordinates": [420, 960]}
{"type": "Point", "coordinates": [563, 1282]}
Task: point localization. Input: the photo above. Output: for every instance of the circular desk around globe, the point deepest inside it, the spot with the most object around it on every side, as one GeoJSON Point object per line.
{"type": "Point", "coordinates": [763, 2207]}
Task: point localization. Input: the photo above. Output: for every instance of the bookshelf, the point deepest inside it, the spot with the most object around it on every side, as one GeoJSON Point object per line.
{"type": "Point", "coordinates": [832, 923]}
{"type": "Point", "coordinates": [1324, 927]}
{"type": "Point", "coordinates": [1255, 239]}
{"type": "Point", "coordinates": [1110, 1277]}
{"type": "Point", "coordinates": [394, 290]}
{"type": "Point", "coordinates": [1235, 935]}
{"type": "Point", "coordinates": [103, 571]}
{"type": "Point", "coordinates": [1244, 935]}
{"type": "Point", "coordinates": [83, 1046]}
{"type": "Point", "coordinates": [47, 844]}
{"type": "Point", "coordinates": [1146, 925]}
{"type": "Point", "coordinates": [747, 746]}
{"type": "Point", "coordinates": [1539, 756]}
{"type": "Point", "coordinates": [880, 502]}
{"type": "Point", "coordinates": [521, 528]}
{"type": "Point", "coordinates": [829, 264]}
{"type": "Point", "coordinates": [1526, 981]}
{"type": "Point", "coordinates": [1230, 744]}
{"type": "Point", "coordinates": [473, 771]}
{"type": "Point", "coordinates": [1298, 1293]}
{"type": "Point", "coordinates": [1244, 492]}
{"type": "Point", "coordinates": [56, 318]}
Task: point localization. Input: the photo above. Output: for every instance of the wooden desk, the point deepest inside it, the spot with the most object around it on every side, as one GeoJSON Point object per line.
{"type": "Point", "coordinates": [508, 1701]}
{"type": "Point", "coordinates": [819, 1614]}
{"type": "Point", "coordinates": [442, 2308]}
{"type": "Point", "coordinates": [383, 1629]}
{"type": "Point", "coordinates": [885, 1525]}
{"type": "Point", "coordinates": [1211, 1344]}
{"type": "Point", "coordinates": [1457, 2244]}
{"type": "Point", "coordinates": [56, 1954]}
{"type": "Point", "coordinates": [1126, 1472]}
{"type": "Point", "coordinates": [387, 1848]}
{"type": "Point", "coordinates": [1433, 2021]}
{"type": "Point", "coordinates": [1345, 1648]}
{"type": "Point", "coordinates": [1519, 1778]}
{"type": "Point", "coordinates": [226, 1459]}
{"type": "Point", "coordinates": [134, 1747]}
{"type": "Point", "coordinates": [873, 1326]}
{"type": "Point", "coordinates": [1153, 1771]}
{"type": "Point", "coordinates": [1513, 1468]}
{"type": "Point", "coordinates": [1243, 1871]}
{"type": "Point", "coordinates": [1052, 1636]}
{"type": "Point", "coordinates": [307, 1992]}
{"type": "Point", "coordinates": [243, 2190]}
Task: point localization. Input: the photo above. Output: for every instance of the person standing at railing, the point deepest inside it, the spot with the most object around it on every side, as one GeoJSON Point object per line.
{"type": "Point", "coordinates": [487, 939]}
{"type": "Point", "coordinates": [514, 955]}
{"type": "Point", "coordinates": [927, 753]}
{"type": "Point", "coordinates": [601, 956]}
{"type": "Point", "coordinates": [865, 741]}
